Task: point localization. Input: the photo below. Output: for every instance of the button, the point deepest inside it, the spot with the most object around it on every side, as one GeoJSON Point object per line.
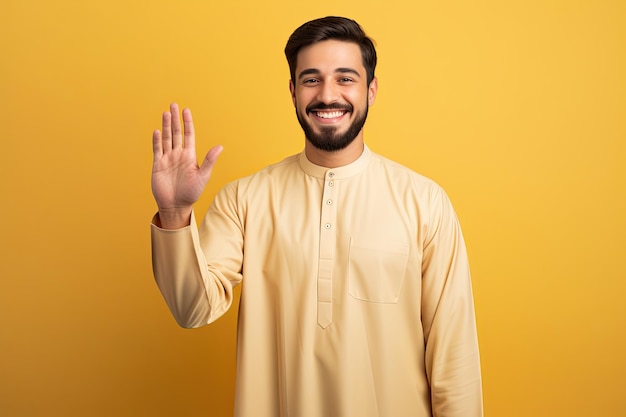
{"type": "Point", "coordinates": [329, 202]}
{"type": "Point", "coordinates": [331, 174]}
{"type": "Point", "coordinates": [327, 225]}
{"type": "Point", "coordinates": [330, 183]}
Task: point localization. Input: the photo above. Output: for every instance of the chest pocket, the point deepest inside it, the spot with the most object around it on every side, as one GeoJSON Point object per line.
{"type": "Point", "coordinates": [377, 270]}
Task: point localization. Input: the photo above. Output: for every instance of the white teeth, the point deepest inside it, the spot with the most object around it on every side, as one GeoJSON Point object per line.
{"type": "Point", "coordinates": [327, 115]}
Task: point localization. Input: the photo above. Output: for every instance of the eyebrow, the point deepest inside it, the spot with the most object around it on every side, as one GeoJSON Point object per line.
{"type": "Point", "coordinates": [315, 71]}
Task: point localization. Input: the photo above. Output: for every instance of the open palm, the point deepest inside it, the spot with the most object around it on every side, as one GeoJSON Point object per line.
{"type": "Point", "coordinates": [177, 179]}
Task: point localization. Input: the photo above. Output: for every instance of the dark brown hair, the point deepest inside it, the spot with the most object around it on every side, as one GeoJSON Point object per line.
{"type": "Point", "coordinates": [326, 28]}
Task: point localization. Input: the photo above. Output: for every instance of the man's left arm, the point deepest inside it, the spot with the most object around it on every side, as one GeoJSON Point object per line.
{"type": "Point", "coordinates": [452, 356]}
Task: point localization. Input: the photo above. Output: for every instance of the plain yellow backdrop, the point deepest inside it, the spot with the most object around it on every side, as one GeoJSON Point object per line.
{"type": "Point", "coordinates": [516, 108]}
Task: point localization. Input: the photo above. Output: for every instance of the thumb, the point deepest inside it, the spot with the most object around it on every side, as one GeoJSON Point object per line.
{"type": "Point", "coordinates": [209, 161]}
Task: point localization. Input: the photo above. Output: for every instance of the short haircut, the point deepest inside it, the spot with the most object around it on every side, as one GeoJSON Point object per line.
{"type": "Point", "coordinates": [327, 28]}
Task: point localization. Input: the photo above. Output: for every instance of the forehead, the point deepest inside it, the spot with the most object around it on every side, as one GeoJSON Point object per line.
{"type": "Point", "coordinates": [329, 55]}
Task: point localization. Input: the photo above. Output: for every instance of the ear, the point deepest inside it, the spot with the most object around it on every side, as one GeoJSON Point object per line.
{"type": "Point", "coordinates": [371, 91]}
{"type": "Point", "coordinates": [292, 90]}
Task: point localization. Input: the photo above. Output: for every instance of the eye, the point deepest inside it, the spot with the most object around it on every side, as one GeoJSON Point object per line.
{"type": "Point", "coordinates": [310, 81]}
{"type": "Point", "coordinates": [346, 80]}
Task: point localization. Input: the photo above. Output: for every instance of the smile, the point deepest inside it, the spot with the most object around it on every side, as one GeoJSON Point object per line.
{"type": "Point", "coordinates": [329, 115]}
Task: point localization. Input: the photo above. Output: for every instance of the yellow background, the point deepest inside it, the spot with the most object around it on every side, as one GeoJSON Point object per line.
{"type": "Point", "coordinates": [516, 108]}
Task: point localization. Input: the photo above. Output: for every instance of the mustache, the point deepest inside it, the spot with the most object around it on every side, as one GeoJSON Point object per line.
{"type": "Point", "coordinates": [321, 106]}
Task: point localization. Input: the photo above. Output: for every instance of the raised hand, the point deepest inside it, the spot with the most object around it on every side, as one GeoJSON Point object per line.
{"type": "Point", "coordinates": [177, 180]}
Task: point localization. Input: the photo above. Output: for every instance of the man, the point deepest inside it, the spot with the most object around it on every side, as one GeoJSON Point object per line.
{"type": "Point", "coordinates": [356, 296]}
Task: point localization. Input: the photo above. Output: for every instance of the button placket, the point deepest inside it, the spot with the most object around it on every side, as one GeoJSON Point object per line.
{"type": "Point", "coordinates": [328, 240]}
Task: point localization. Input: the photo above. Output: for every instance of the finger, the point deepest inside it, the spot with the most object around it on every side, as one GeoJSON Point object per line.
{"type": "Point", "coordinates": [157, 146]}
{"type": "Point", "coordinates": [189, 130]}
{"type": "Point", "coordinates": [166, 129]}
{"type": "Point", "coordinates": [209, 161]}
{"type": "Point", "coordinates": [177, 135]}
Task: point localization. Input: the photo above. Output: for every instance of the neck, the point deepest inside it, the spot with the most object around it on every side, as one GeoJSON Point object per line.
{"type": "Point", "coordinates": [335, 159]}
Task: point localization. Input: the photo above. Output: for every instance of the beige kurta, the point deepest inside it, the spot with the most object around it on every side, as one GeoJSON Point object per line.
{"type": "Point", "coordinates": [356, 296]}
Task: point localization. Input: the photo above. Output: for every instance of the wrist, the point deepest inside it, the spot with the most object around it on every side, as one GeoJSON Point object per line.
{"type": "Point", "coordinates": [174, 218]}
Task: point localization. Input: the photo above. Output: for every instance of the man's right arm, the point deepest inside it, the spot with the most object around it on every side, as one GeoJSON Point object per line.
{"type": "Point", "coordinates": [194, 293]}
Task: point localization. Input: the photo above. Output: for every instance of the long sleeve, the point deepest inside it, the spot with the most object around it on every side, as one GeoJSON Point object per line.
{"type": "Point", "coordinates": [452, 357]}
{"type": "Point", "coordinates": [197, 291]}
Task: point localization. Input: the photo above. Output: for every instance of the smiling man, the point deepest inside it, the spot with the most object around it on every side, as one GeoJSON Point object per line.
{"type": "Point", "coordinates": [332, 102]}
{"type": "Point", "coordinates": [356, 297]}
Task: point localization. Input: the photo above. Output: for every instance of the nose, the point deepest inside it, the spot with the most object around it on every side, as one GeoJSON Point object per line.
{"type": "Point", "coordinates": [328, 92]}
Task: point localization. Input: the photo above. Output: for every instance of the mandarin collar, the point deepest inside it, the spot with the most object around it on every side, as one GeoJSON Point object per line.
{"type": "Point", "coordinates": [345, 171]}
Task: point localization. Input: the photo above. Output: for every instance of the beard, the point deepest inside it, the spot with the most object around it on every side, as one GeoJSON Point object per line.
{"type": "Point", "coordinates": [328, 139]}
